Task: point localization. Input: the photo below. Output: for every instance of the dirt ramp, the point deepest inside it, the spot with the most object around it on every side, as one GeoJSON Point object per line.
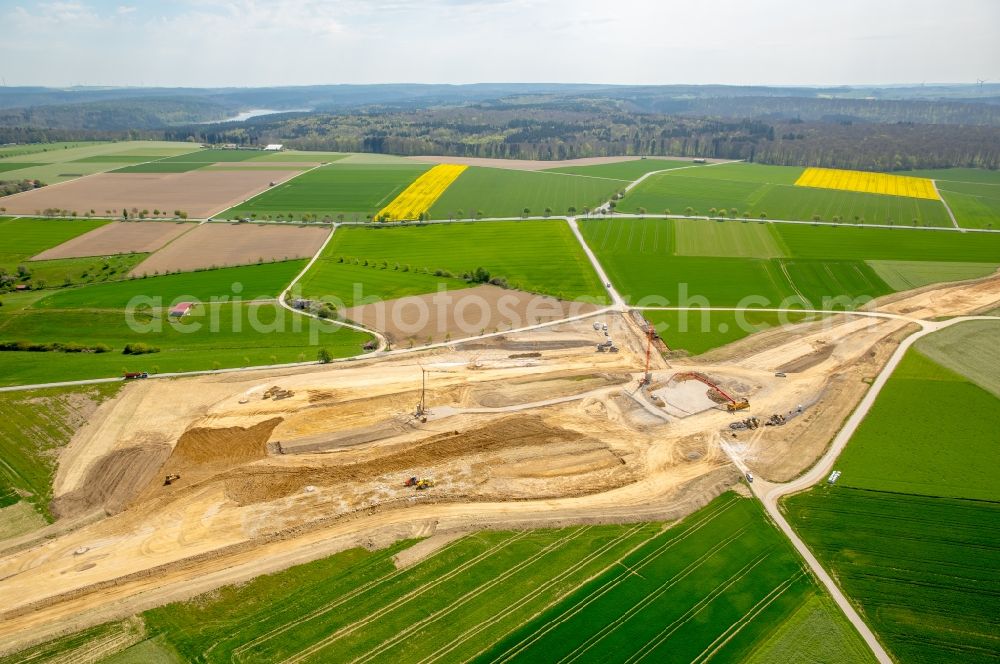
{"type": "Point", "coordinates": [113, 481]}
{"type": "Point", "coordinates": [258, 484]}
{"type": "Point", "coordinates": [202, 452]}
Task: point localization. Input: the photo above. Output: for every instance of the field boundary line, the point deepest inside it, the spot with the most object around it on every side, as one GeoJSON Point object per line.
{"type": "Point", "coordinates": [581, 175]}
{"type": "Point", "coordinates": [745, 619]}
{"type": "Point", "coordinates": [479, 627]}
{"type": "Point", "coordinates": [527, 563]}
{"type": "Point", "coordinates": [219, 213]}
{"type": "Point", "coordinates": [946, 206]}
{"type": "Point", "coordinates": [399, 601]}
{"type": "Point", "coordinates": [599, 592]}
{"type": "Point", "coordinates": [683, 619]}
{"type": "Point", "coordinates": [651, 597]}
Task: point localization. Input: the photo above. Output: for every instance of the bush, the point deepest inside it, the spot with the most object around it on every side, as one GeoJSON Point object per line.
{"type": "Point", "coordinates": [324, 356]}
{"type": "Point", "coordinates": [139, 349]}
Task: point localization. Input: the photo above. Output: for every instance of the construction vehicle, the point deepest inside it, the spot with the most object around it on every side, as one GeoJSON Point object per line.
{"type": "Point", "coordinates": [749, 423]}
{"type": "Point", "coordinates": [410, 482]}
{"type": "Point", "coordinates": [424, 484]}
{"type": "Point", "coordinates": [132, 375]}
{"type": "Point", "coordinates": [732, 405]}
{"type": "Point", "coordinates": [276, 393]}
{"type": "Point", "coordinates": [605, 346]}
{"type": "Point", "coordinates": [170, 479]}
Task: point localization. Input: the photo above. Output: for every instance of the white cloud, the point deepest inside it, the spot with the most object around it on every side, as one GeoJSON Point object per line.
{"type": "Point", "coordinates": [261, 42]}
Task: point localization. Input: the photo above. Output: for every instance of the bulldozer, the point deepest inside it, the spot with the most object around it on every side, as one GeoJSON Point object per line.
{"type": "Point", "coordinates": [735, 405]}
{"type": "Point", "coordinates": [170, 479]}
{"type": "Point", "coordinates": [424, 484]}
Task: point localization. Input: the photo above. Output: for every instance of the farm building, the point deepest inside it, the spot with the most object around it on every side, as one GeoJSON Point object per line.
{"type": "Point", "coordinates": [181, 309]}
{"type": "Point", "coordinates": [274, 147]}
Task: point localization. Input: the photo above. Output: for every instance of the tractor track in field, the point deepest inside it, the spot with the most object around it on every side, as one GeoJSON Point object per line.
{"type": "Point", "coordinates": [594, 555]}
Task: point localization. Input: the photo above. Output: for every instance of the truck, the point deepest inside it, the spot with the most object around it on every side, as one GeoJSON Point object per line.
{"type": "Point", "coordinates": [132, 375]}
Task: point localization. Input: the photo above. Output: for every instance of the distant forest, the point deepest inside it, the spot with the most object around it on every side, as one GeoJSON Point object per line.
{"type": "Point", "coordinates": [548, 134]}
{"type": "Point", "coordinates": [872, 129]}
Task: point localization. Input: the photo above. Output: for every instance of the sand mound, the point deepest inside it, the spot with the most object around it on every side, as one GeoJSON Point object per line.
{"type": "Point", "coordinates": [113, 481]}
{"type": "Point", "coordinates": [258, 484]}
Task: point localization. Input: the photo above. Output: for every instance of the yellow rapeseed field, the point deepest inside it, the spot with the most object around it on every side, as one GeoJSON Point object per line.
{"type": "Point", "coordinates": [871, 183]}
{"type": "Point", "coordinates": [421, 194]}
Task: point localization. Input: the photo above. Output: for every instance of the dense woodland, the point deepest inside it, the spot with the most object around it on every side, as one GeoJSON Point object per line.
{"type": "Point", "coordinates": [873, 129]}
{"type": "Point", "coordinates": [545, 133]}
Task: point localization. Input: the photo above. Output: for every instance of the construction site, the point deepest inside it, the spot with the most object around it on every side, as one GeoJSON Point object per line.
{"type": "Point", "coordinates": [179, 486]}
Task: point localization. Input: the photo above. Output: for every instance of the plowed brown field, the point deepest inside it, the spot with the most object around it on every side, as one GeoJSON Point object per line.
{"type": "Point", "coordinates": [199, 193]}
{"type": "Point", "coordinates": [118, 237]}
{"type": "Point", "coordinates": [221, 245]}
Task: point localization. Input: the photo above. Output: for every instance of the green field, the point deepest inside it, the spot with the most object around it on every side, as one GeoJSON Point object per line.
{"type": "Point", "coordinates": [357, 191]}
{"type": "Point", "coordinates": [982, 175]}
{"type": "Point", "coordinates": [754, 190]}
{"type": "Point", "coordinates": [58, 162]}
{"type": "Point", "coordinates": [721, 582]}
{"type": "Point", "coordinates": [300, 156]}
{"type": "Point", "coordinates": [666, 262]}
{"type": "Point", "coordinates": [33, 427]}
{"type": "Point", "coordinates": [715, 586]}
{"type": "Point", "coordinates": [223, 334]}
{"type": "Point", "coordinates": [163, 167]}
{"type": "Point", "coordinates": [32, 148]}
{"type": "Point", "coordinates": [498, 192]}
{"type": "Point", "coordinates": [971, 348]}
{"type": "Point", "coordinates": [748, 264]}
{"type": "Point", "coordinates": [249, 282]}
{"type": "Point", "coordinates": [622, 170]}
{"type": "Point", "coordinates": [975, 205]}
{"type": "Point", "coordinates": [22, 238]}
{"type": "Point", "coordinates": [118, 159]}
{"type": "Point", "coordinates": [911, 529]}
{"type": "Point", "coordinates": [805, 241]}
{"type": "Point", "coordinates": [922, 433]}
{"type": "Point", "coordinates": [14, 166]}
{"type": "Point", "coordinates": [904, 275]}
{"type": "Point", "coordinates": [537, 256]}
{"type": "Point", "coordinates": [211, 156]}
{"type": "Point", "coordinates": [701, 331]}
{"type": "Point", "coordinates": [923, 571]}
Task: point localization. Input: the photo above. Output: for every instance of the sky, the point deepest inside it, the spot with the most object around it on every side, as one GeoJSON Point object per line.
{"type": "Point", "coordinates": [247, 43]}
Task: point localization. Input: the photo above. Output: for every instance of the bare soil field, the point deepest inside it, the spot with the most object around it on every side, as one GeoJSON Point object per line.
{"type": "Point", "coordinates": [220, 245]}
{"type": "Point", "coordinates": [199, 193]}
{"type": "Point", "coordinates": [251, 164]}
{"type": "Point", "coordinates": [522, 430]}
{"type": "Point", "coordinates": [118, 237]}
{"type": "Point", "coordinates": [458, 314]}
{"type": "Point", "coordinates": [532, 164]}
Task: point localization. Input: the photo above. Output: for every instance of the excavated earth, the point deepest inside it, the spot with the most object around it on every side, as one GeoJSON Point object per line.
{"type": "Point", "coordinates": [531, 429]}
